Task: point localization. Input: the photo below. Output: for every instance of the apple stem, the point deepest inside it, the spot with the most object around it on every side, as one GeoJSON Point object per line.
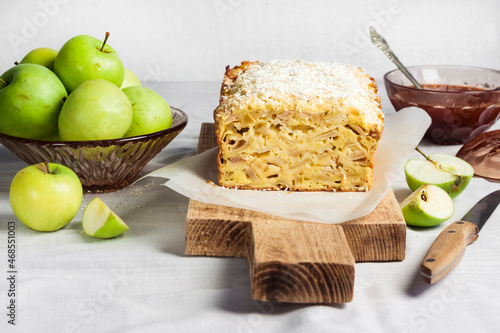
{"type": "Point", "coordinates": [16, 63]}
{"type": "Point", "coordinates": [3, 84]}
{"type": "Point", "coordinates": [105, 40]}
{"type": "Point", "coordinates": [47, 166]}
{"type": "Point", "coordinates": [426, 157]}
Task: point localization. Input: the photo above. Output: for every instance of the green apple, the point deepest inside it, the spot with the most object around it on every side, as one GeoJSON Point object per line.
{"type": "Point", "coordinates": [151, 113]}
{"type": "Point", "coordinates": [100, 221]}
{"type": "Point", "coordinates": [42, 56]}
{"type": "Point", "coordinates": [450, 173]}
{"type": "Point", "coordinates": [31, 97]}
{"type": "Point", "coordinates": [428, 206]}
{"type": "Point", "coordinates": [130, 79]}
{"type": "Point", "coordinates": [45, 196]}
{"type": "Point", "coordinates": [96, 110]}
{"type": "Point", "coordinates": [52, 137]}
{"type": "Point", "coordinates": [85, 58]}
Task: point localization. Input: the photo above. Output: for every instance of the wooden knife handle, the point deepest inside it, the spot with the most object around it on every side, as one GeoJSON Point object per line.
{"type": "Point", "coordinates": [447, 250]}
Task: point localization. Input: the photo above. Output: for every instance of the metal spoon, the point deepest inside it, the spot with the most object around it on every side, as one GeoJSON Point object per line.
{"type": "Point", "coordinates": [381, 43]}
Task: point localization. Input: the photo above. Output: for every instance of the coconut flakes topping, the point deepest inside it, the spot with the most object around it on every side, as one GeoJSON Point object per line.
{"type": "Point", "coordinates": [297, 82]}
{"type": "Point", "coordinates": [302, 80]}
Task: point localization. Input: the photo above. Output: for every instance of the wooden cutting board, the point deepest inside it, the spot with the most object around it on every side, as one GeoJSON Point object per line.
{"type": "Point", "coordinates": [290, 260]}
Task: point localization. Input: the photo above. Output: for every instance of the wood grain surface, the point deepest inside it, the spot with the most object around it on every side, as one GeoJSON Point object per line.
{"type": "Point", "coordinates": [447, 250]}
{"type": "Point", "coordinates": [290, 260]}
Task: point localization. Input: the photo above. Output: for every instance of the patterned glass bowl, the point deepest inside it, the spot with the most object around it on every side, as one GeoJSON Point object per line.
{"type": "Point", "coordinates": [101, 165]}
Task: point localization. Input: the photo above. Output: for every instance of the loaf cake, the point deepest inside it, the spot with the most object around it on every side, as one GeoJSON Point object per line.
{"type": "Point", "coordinates": [297, 125]}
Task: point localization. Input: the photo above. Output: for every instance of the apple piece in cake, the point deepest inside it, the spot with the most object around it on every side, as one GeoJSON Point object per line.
{"type": "Point", "coordinates": [297, 125]}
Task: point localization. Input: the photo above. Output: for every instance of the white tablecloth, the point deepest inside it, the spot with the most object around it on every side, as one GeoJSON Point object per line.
{"type": "Point", "coordinates": [143, 282]}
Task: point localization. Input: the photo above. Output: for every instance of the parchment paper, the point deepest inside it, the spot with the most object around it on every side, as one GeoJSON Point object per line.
{"type": "Point", "coordinates": [403, 131]}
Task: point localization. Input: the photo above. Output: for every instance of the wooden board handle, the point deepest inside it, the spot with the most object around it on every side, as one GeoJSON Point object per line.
{"type": "Point", "coordinates": [300, 262]}
{"type": "Point", "coordinates": [295, 261]}
{"type": "Point", "coordinates": [447, 250]}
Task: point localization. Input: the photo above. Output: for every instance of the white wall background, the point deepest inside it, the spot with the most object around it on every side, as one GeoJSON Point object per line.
{"type": "Point", "coordinates": [188, 40]}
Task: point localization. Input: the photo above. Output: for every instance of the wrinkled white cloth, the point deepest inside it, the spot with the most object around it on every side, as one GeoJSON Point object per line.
{"type": "Point", "coordinates": [143, 282]}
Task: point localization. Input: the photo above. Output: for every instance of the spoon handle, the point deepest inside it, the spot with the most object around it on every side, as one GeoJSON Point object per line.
{"type": "Point", "coordinates": [382, 44]}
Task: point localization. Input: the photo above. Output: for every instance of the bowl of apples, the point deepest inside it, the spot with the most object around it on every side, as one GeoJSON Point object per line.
{"type": "Point", "coordinates": [81, 108]}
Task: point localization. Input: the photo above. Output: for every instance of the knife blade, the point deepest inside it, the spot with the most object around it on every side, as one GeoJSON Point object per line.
{"type": "Point", "coordinates": [449, 247]}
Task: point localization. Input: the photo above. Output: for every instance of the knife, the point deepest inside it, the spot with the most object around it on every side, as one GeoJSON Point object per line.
{"type": "Point", "coordinates": [449, 247]}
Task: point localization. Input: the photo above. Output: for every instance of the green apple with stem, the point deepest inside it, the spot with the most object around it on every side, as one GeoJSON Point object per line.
{"type": "Point", "coordinates": [42, 56]}
{"type": "Point", "coordinates": [45, 196]}
{"type": "Point", "coordinates": [100, 221]}
{"type": "Point", "coordinates": [151, 113]}
{"type": "Point", "coordinates": [450, 173]}
{"type": "Point", "coordinates": [130, 79]}
{"type": "Point", "coordinates": [428, 206]}
{"type": "Point", "coordinates": [96, 110]}
{"type": "Point", "coordinates": [85, 58]}
{"type": "Point", "coordinates": [31, 97]}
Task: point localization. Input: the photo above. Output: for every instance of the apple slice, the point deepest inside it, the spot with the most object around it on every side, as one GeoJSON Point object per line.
{"type": "Point", "coordinates": [450, 173]}
{"type": "Point", "coordinates": [100, 221]}
{"type": "Point", "coordinates": [428, 206]}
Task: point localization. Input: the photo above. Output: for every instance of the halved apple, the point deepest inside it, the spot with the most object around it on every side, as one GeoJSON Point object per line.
{"type": "Point", "coordinates": [428, 206]}
{"type": "Point", "coordinates": [450, 173]}
{"type": "Point", "coordinates": [100, 221]}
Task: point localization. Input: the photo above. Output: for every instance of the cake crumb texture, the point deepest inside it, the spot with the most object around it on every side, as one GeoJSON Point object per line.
{"type": "Point", "coordinates": [297, 125]}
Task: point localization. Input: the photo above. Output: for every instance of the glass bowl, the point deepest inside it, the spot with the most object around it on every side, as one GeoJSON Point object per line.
{"type": "Point", "coordinates": [101, 165]}
{"type": "Point", "coordinates": [462, 101]}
